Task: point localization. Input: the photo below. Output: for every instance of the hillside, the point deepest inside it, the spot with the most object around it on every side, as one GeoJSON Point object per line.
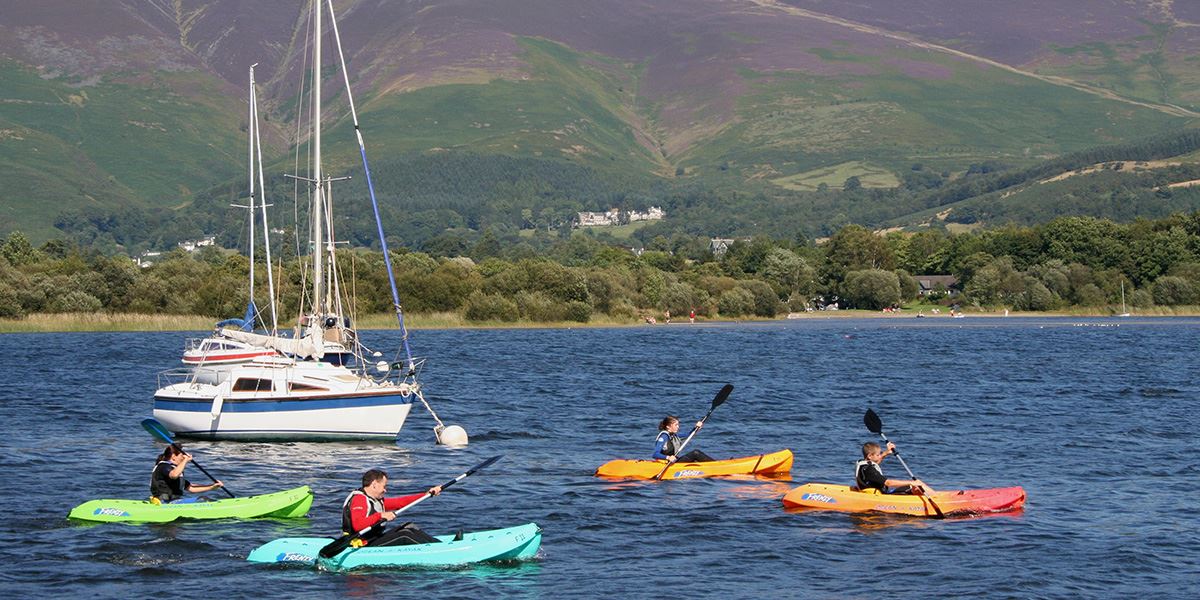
{"type": "Point", "coordinates": [139, 106]}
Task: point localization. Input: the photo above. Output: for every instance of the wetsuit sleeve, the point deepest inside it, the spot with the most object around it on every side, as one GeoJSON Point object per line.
{"type": "Point", "coordinates": [358, 513]}
{"type": "Point", "coordinates": [874, 477]}
{"type": "Point", "coordinates": [659, 443]}
{"type": "Point", "coordinates": [400, 502]}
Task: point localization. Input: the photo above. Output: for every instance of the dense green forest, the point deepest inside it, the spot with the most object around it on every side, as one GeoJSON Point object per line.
{"type": "Point", "coordinates": [442, 203]}
{"type": "Point", "coordinates": [566, 275]}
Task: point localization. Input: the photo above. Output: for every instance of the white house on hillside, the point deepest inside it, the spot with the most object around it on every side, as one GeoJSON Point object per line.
{"type": "Point", "coordinates": [653, 213]}
{"type": "Point", "coordinates": [590, 219]}
{"type": "Point", "coordinates": [193, 245]}
{"type": "Point", "coordinates": [719, 246]}
{"type": "Point", "coordinates": [613, 216]}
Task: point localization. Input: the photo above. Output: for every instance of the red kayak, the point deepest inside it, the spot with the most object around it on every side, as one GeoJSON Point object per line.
{"type": "Point", "coordinates": [839, 497]}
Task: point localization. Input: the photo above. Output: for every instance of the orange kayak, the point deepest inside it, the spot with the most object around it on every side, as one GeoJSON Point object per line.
{"type": "Point", "coordinates": [759, 464]}
{"type": "Point", "coordinates": [839, 497]}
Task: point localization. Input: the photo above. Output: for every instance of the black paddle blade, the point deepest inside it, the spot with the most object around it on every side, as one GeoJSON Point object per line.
{"type": "Point", "coordinates": [722, 395]}
{"type": "Point", "coordinates": [485, 463]}
{"type": "Point", "coordinates": [871, 420]}
{"type": "Point", "coordinates": [470, 471]}
{"type": "Point", "coordinates": [157, 430]}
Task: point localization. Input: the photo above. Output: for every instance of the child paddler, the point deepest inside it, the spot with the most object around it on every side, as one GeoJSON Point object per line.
{"type": "Point", "coordinates": [868, 475]}
{"type": "Point", "coordinates": [167, 483]}
{"type": "Point", "coordinates": [667, 444]}
{"type": "Point", "coordinates": [367, 506]}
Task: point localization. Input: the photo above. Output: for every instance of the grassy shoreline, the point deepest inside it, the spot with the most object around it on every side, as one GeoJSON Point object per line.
{"type": "Point", "coordinates": [115, 322]}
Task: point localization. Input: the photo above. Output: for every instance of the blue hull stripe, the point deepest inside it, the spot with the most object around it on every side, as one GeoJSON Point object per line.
{"type": "Point", "coordinates": [317, 433]}
{"type": "Point", "coordinates": [238, 405]}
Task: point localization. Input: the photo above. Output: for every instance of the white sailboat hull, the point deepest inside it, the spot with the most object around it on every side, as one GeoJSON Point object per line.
{"type": "Point", "coordinates": [290, 424]}
{"type": "Point", "coordinates": [282, 399]}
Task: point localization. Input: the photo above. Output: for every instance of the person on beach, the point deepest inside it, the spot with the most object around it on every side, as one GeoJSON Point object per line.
{"type": "Point", "coordinates": [366, 507]}
{"type": "Point", "coordinates": [667, 444]}
{"type": "Point", "coordinates": [868, 474]}
{"type": "Point", "coordinates": [167, 482]}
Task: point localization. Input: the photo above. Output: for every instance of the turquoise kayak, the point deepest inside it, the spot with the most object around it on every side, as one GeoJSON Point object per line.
{"type": "Point", "coordinates": [514, 543]}
{"type": "Point", "coordinates": [288, 503]}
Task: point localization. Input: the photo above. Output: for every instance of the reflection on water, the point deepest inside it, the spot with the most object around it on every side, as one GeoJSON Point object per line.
{"type": "Point", "coordinates": [875, 521]}
{"type": "Point", "coordinates": [500, 579]}
{"type": "Point", "coordinates": [764, 488]}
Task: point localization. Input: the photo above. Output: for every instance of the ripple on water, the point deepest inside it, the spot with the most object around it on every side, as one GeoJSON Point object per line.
{"type": "Point", "coordinates": [1098, 443]}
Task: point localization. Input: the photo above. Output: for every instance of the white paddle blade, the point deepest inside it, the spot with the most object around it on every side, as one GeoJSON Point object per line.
{"type": "Point", "coordinates": [452, 435]}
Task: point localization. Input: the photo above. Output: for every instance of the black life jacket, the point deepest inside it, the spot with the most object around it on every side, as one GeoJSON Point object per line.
{"type": "Point", "coordinates": [860, 476]}
{"type": "Point", "coordinates": [163, 487]}
{"type": "Point", "coordinates": [673, 443]}
{"type": "Point", "coordinates": [373, 506]}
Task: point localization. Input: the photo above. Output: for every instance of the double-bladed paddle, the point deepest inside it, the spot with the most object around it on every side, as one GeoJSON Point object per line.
{"type": "Point", "coordinates": [336, 546]}
{"type": "Point", "coordinates": [717, 400]}
{"type": "Point", "coordinates": [873, 423]}
{"type": "Point", "coordinates": [157, 430]}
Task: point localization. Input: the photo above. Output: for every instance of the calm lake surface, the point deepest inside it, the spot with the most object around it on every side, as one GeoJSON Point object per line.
{"type": "Point", "coordinates": [1094, 417]}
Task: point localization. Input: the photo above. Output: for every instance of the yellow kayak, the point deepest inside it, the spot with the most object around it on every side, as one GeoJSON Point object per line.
{"type": "Point", "coordinates": [759, 464]}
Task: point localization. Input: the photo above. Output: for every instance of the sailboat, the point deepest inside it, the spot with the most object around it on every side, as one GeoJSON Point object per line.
{"type": "Point", "coordinates": [1124, 312]}
{"type": "Point", "coordinates": [217, 351]}
{"type": "Point", "coordinates": [295, 394]}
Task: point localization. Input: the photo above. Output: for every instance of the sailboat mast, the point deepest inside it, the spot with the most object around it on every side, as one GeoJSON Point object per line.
{"type": "Point", "coordinates": [262, 186]}
{"type": "Point", "coordinates": [250, 172]}
{"type": "Point", "coordinates": [318, 210]}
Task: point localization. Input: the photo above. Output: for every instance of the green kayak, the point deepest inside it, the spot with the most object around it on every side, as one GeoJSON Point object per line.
{"type": "Point", "coordinates": [288, 503]}
{"type": "Point", "coordinates": [514, 543]}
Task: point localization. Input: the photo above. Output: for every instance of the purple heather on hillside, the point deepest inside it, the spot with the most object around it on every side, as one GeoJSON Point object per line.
{"type": "Point", "coordinates": [1010, 31]}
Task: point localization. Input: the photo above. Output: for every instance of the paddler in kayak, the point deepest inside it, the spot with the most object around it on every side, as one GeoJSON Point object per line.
{"type": "Point", "coordinates": [868, 475]}
{"type": "Point", "coordinates": [167, 483]}
{"type": "Point", "coordinates": [667, 444]}
{"type": "Point", "coordinates": [367, 506]}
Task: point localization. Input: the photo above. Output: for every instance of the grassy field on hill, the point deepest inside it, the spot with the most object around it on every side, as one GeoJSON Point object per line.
{"type": "Point", "coordinates": [869, 175]}
{"type": "Point", "coordinates": [110, 145]}
{"type": "Point", "coordinates": [963, 113]}
{"type": "Point", "coordinates": [568, 110]}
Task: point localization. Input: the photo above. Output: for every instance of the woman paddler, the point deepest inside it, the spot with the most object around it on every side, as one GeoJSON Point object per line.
{"type": "Point", "coordinates": [167, 482]}
{"type": "Point", "coordinates": [668, 444]}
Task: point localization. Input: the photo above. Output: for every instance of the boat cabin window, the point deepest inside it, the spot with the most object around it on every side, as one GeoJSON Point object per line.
{"type": "Point", "coordinates": [248, 384]}
{"type": "Point", "coordinates": [303, 387]}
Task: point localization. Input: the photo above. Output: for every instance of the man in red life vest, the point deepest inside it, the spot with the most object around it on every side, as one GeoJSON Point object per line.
{"type": "Point", "coordinates": [367, 506]}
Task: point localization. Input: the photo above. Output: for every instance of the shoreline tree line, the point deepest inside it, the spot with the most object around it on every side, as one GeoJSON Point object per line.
{"type": "Point", "coordinates": [575, 275]}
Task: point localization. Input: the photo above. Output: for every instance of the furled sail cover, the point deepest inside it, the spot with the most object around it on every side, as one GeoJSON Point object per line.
{"type": "Point", "coordinates": [306, 347]}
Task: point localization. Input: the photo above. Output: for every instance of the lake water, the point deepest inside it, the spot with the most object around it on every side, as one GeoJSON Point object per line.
{"type": "Point", "coordinates": [1094, 417]}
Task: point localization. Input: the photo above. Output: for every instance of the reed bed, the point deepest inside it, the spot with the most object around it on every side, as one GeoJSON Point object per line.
{"type": "Point", "coordinates": [102, 321]}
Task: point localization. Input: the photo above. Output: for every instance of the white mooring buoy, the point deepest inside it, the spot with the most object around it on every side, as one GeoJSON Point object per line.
{"type": "Point", "coordinates": [452, 435]}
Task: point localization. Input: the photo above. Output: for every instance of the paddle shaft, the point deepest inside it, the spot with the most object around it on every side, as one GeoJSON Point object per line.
{"type": "Point", "coordinates": [205, 471]}
{"type": "Point", "coordinates": [717, 400]}
{"type": "Point", "coordinates": [873, 423]}
{"type": "Point", "coordinates": [901, 458]}
{"type": "Point", "coordinates": [157, 430]}
{"type": "Point", "coordinates": [693, 433]}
